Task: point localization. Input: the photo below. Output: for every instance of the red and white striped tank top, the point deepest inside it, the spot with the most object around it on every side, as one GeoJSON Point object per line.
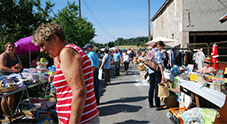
{"type": "Point", "coordinates": [64, 92]}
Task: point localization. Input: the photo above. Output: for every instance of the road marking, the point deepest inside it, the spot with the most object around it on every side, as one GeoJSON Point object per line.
{"type": "Point", "coordinates": [141, 82]}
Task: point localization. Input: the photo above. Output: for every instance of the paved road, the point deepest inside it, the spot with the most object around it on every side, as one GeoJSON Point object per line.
{"type": "Point", "coordinates": [125, 100]}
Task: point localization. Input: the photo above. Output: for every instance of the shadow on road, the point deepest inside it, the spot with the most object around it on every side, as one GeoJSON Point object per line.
{"type": "Point", "coordinates": [115, 109]}
{"type": "Point", "coordinates": [125, 82]}
{"type": "Point", "coordinates": [133, 122]}
{"type": "Point", "coordinates": [124, 100]}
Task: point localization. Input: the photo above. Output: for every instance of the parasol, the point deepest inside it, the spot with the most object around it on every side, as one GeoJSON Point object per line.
{"type": "Point", "coordinates": [25, 46]}
{"type": "Point", "coordinates": [165, 40]}
{"type": "Point", "coordinates": [150, 46]}
{"type": "Point", "coordinates": [123, 50]}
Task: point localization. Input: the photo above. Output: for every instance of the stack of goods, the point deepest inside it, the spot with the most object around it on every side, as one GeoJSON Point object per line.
{"type": "Point", "coordinates": [51, 71]}
{"type": "Point", "coordinates": [38, 103]}
{"type": "Point", "coordinates": [141, 67]}
{"type": "Point", "coordinates": [42, 63]}
{"type": "Point", "coordinates": [34, 74]}
{"type": "Point", "coordinates": [199, 116]}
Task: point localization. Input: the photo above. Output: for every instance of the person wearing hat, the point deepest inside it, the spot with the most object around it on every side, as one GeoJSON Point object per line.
{"type": "Point", "coordinates": [95, 65]}
{"type": "Point", "coordinates": [208, 69]}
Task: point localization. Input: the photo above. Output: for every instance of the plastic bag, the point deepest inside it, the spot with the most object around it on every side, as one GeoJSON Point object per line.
{"type": "Point", "coordinates": [100, 74]}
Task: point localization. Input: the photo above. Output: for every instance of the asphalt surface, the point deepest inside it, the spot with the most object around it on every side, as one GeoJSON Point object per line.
{"type": "Point", "coordinates": [125, 100]}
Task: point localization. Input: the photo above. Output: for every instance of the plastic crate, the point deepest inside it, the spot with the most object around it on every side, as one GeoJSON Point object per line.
{"type": "Point", "coordinates": [34, 76]}
{"type": "Point", "coordinates": [176, 114]}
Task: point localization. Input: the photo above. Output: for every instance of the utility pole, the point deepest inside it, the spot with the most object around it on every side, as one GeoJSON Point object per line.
{"type": "Point", "coordinates": [79, 8]}
{"type": "Point", "coordinates": [149, 22]}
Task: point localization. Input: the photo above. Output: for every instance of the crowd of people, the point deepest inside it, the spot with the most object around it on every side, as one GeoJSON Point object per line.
{"type": "Point", "coordinates": [76, 72]}
{"type": "Point", "coordinates": [76, 78]}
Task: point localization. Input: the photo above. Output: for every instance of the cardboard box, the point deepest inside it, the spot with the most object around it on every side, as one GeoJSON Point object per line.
{"type": "Point", "coordinates": [29, 113]}
{"type": "Point", "coordinates": [171, 101]}
{"type": "Point", "coordinates": [43, 117]}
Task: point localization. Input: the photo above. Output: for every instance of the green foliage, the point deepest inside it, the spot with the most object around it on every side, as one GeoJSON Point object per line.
{"type": "Point", "coordinates": [99, 45]}
{"type": "Point", "coordinates": [77, 30]}
{"type": "Point", "coordinates": [139, 41]}
{"type": "Point", "coordinates": [18, 18]}
{"type": "Point", "coordinates": [111, 44]}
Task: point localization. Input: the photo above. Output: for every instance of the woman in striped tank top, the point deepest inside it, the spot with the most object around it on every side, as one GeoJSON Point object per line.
{"type": "Point", "coordinates": [73, 79]}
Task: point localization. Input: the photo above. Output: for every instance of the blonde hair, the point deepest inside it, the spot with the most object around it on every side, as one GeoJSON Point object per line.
{"type": "Point", "coordinates": [45, 31]}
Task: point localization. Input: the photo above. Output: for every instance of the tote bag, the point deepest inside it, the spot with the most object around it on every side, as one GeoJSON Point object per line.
{"type": "Point", "coordinates": [100, 74]}
{"type": "Point", "coordinates": [163, 90]}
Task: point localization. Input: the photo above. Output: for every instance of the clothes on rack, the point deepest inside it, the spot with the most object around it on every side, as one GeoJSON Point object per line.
{"type": "Point", "coordinates": [171, 59]}
{"type": "Point", "coordinates": [165, 58]}
{"type": "Point", "coordinates": [199, 57]}
{"type": "Point", "coordinates": [184, 57]}
{"type": "Point", "coordinates": [214, 56]}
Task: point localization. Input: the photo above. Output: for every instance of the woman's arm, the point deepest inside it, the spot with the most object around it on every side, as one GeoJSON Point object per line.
{"type": "Point", "coordinates": [162, 72]}
{"type": "Point", "coordinates": [71, 68]}
{"type": "Point", "coordinates": [19, 66]}
{"type": "Point", "coordinates": [159, 61]}
{"type": "Point", "coordinates": [200, 70]}
{"type": "Point", "coordinates": [103, 62]}
{"type": "Point", "coordinates": [209, 70]}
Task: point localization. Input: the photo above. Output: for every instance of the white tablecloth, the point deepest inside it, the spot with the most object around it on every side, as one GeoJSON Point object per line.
{"type": "Point", "coordinates": [211, 95]}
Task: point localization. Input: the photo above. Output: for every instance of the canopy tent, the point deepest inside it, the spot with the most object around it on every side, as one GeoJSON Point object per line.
{"type": "Point", "coordinates": [25, 46]}
{"type": "Point", "coordinates": [112, 48]}
{"type": "Point", "coordinates": [166, 40]}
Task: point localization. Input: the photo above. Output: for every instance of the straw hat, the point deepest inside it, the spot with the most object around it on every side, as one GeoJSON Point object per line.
{"type": "Point", "coordinates": [208, 60]}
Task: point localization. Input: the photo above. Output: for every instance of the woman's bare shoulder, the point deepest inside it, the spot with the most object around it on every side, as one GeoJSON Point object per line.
{"type": "Point", "coordinates": [68, 52]}
{"type": "Point", "coordinates": [3, 55]}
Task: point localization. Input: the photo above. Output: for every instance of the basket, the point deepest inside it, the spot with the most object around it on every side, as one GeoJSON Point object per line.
{"type": "Point", "coordinates": [176, 114]}
{"type": "Point", "coordinates": [7, 89]}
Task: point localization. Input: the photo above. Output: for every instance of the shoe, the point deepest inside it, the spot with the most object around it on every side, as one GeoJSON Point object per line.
{"type": "Point", "coordinates": [159, 108]}
{"type": "Point", "coordinates": [151, 106]}
{"type": "Point", "coordinates": [108, 83]}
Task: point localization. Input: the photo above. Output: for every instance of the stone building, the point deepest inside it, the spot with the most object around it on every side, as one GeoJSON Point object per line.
{"type": "Point", "coordinates": [191, 21]}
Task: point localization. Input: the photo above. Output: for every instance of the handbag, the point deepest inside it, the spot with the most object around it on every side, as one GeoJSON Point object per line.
{"type": "Point", "coordinates": [163, 90]}
{"type": "Point", "coordinates": [151, 63]}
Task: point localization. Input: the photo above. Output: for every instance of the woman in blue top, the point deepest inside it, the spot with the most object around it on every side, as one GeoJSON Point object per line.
{"type": "Point", "coordinates": [106, 66]}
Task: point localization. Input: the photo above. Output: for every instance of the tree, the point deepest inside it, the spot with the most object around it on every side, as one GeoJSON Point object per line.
{"type": "Point", "coordinates": [18, 18]}
{"type": "Point", "coordinates": [119, 41]}
{"type": "Point", "coordinates": [77, 30]}
{"type": "Point", "coordinates": [111, 44]}
{"type": "Point", "coordinates": [131, 41]}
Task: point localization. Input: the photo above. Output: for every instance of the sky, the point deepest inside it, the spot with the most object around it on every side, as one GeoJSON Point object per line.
{"type": "Point", "coordinates": [114, 19]}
